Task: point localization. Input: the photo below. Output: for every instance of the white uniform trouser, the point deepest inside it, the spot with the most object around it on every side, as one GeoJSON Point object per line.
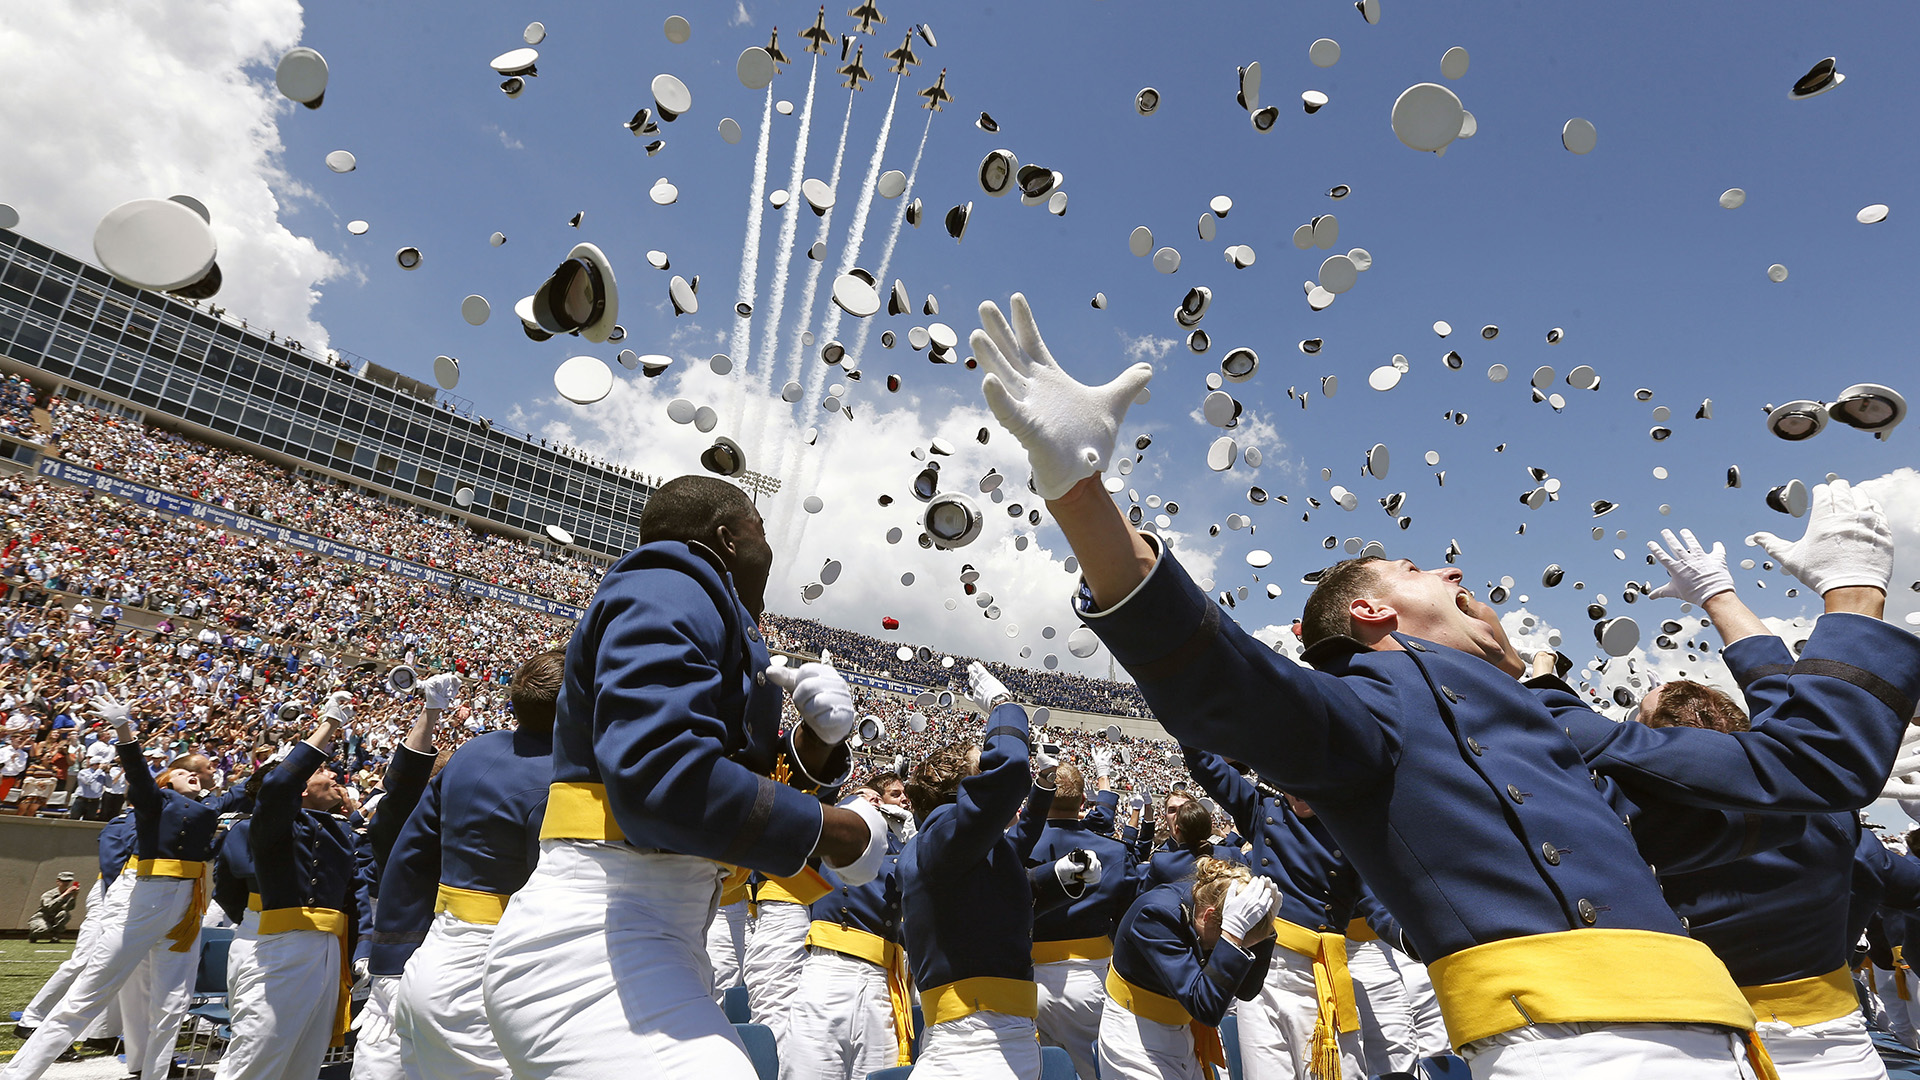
{"type": "Point", "coordinates": [979, 1046]}
{"type": "Point", "coordinates": [1386, 1017]}
{"type": "Point", "coordinates": [284, 991]}
{"type": "Point", "coordinates": [1610, 1052]}
{"type": "Point", "coordinates": [439, 1013]}
{"type": "Point", "coordinates": [100, 911]}
{"type": "Point", "coordinates": [376, 1045]}
{"type": "Point", "coordinates": [1072, 994]}
{"type": "Point", "coordinates": [1136, 1048]}
{"type": "Point", "coordinates": [1276, 1028]}
{"type": "Point", "coordinates": [1899, 1012]}
{"type": "Point", "coordinates": [599, 970]}
{"type": "Point", "coordinates": [1429, 1027]}
{"type": "Point", "coordinates": [154, 906]}
{"type": "Point", "coordinates": [840, 1022]}
{"type": "Point", "coordinates": [775, 953]}
{"type": "Point", "coordinates": [1837, 1049]}
{"type": "Point", "coordinates": [726, 941]}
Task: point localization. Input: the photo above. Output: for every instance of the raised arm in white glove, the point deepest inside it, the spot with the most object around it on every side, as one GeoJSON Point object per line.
{"type": "Point", "coordinates": [1694, 574]}
{"type": "Point", "coordinates": [1067, 427]}
{"type": "Point", "coordinates": [1077, 869]}
{"type": "Point", "coordinates": [1247, 916]}
{"type": "Point", "coordinates": [986, 690]}
{"type": "Point", "coordinates": [1043, 764]}
{"type": "Point", "coordinates": [338, 708]}
{"type": "Point", "coordinates": [867, 866]}
{"type": "Point", "coordinates": [1847, 543]}
{"type": "Point", "coordinates": [1102, 763]}
{"type": "Point", "coordinates": [821, 695]}
{"type": "Point", "coordinates": [116, 713]}
{"type": "Point", "coordinates": [439, 691]}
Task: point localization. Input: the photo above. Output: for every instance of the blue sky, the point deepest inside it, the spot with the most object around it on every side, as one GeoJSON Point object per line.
{"type": "Point", "coordinates": [1626, 248]}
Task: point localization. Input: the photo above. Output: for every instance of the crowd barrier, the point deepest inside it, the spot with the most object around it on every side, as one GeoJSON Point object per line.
{"type": "Point", "coordinates": [33, 851]}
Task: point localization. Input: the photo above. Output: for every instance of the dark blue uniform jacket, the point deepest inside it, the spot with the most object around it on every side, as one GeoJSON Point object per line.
{"type": "Point", "coordinates": [1097, 910]}
{"type": "Point", "coordinates": [1157, 949]}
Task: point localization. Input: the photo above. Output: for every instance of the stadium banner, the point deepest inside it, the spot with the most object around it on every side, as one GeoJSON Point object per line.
{"type": "Point", "coordinates": [875, 682]}
{"type": "Point", "coordinates": [168, 503]}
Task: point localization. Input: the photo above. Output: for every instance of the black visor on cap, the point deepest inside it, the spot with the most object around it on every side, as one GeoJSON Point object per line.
{"type": "Point", "coordinates": [573, 297]}
{"type": "Point", "coordinates": [1816, 77]}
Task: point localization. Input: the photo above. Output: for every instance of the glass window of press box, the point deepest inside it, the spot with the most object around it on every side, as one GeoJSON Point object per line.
{"type": "Point", "coordinates": [208, 375]}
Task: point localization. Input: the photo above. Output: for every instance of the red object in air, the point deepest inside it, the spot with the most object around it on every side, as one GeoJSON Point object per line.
{"type": "Point", "coordinates": [889, 623]}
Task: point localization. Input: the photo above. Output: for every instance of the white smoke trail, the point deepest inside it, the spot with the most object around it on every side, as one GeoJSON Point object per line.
{"type": "Point", "coordinates": [810, 465]}
{"type": "Point", "coordinates": [856, 233]}
{"type": "Point", "coordinates": [797, 358]}
{"type": "Point", "coordinates": [769, 346]}
{"type": "Point", "coordinates": [742, 344]}
{"type": "Point", "coordinates": [893, 237]}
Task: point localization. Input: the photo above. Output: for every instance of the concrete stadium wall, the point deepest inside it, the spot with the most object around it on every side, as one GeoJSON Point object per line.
{"type": "Point", "coordinates": [33, 851]}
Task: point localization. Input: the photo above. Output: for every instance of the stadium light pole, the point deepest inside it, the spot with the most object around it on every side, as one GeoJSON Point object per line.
{"type": "Point", "coordinates": [760, 484]}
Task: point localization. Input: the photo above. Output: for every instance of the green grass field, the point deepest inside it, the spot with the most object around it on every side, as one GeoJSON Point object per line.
{"type": "Point", "coordinates": [23, 968]}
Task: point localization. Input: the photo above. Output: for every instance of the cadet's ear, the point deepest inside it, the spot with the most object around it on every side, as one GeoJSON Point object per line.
{"type": "Point", "coordinates": [1372, 612]}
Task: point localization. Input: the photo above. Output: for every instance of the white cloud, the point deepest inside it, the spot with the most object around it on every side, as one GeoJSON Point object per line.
{"type": "Point", "coordinates": [1146, 346]}
{"type": "Point", "coordinates": [740, 16]}
{"type": "Point", "coordinates": [506, 140]}
{"type": "Point", "coordinates": [139, 98]}
{"type": "Point", "coordinates": [856, 463]}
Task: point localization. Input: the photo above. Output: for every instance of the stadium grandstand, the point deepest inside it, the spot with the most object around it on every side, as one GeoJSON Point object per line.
{"type": "Point", "coordinates": [194, 521]}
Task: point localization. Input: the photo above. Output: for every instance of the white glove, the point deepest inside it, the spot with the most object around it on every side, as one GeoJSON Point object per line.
{"type": "Point", "coordinates": [1102, 763]}
{"type": "Point", "coordinates": [867, 866]}
{"type": "Point", "coordinates": [374, 1021]}
{"type": "Point", "coordinates": [899, 820]}
{"type": "Point", "coordinates": [1848, 542]}
{"type": "Point", "coordinates": [339, 708]}
{"type": "Point", "coordinates": [1694, 574]}
{"type": "Point", "coordinates": [1248, 905]}
{"type": "Point", "coordinates": [439, 691]}
{"type": "Point", "coordinates": [1044, 761]}
{"type": "Point", "coordinates": [117, 713]}
{"type": "Point", "coordinates": [822, 696]}
{"type": "Point", "coordinates": [1068, 428]}
{"type": "Point", "coordinates": [983, 687]}
{"type": "Point", "coordinates": [1138, 802]}
{"type": "Point", "coordinates": [360, 974]}
{"type": "Point", "coordinates": [1078, 869]}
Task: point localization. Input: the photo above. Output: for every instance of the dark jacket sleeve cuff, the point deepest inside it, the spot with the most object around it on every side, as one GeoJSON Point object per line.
{"type": "Point", "coordinates": [1156, 619]}
{"type": "Point", "coordinates": [1841, 643]}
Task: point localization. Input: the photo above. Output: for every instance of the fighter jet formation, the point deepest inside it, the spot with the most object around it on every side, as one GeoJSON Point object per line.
{"type": "Point", "coordinates": [936, 94]}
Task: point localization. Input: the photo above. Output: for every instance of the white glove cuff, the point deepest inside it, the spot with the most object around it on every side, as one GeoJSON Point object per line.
{"type": "Point", "coordinates": [867, 866]}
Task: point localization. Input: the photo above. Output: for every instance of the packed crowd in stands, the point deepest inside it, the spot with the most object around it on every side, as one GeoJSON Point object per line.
{"type": "Point", "coordinates": [249, 485]}
{"type": "Point", "coordinates": [927, 666]}
{"type": "Point", "coordinates": [232, 638]}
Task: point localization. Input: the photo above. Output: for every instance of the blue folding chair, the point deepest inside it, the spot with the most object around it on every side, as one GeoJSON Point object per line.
{"type": "Point", "coordinates": [760, 1050]}
{"type": "Point", "coordinates": [1056, 1064]}
{"type": "Point", "coordinates": [1446, 1067]}
{"type": "Point", "coordinates": [210, 1019]}
{"type": "Point", "coordinates": [1230, 1042]}
{"type": "Point", "coordinates": [736, 1006]}
{"type": "Point", "coordinates": [898, 1072]}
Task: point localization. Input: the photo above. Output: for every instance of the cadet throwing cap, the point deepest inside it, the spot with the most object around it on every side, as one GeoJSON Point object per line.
{"type": "Point", "coordinates": [1147, 100]}
{"type": "Point", "coordinates": [446, 372]}
{"type": "Point", "coordinates": [855, 295]}
{"type": "Point", "coordinates": [1324, 53]}
{"type": "Point", "coordinates": [1338, 274]}
{"type": "Point", "coordinates": [671, 96]}
{"type": "Point", "coordinates": [755, 69]}
{"type": "Point", "coordinates": [997, 172]}
{"type": "Point", "coordinates": [1869, 407]}
{"type": "Point", "coordinates": [725, 458]}
{"type": "Point", "coordinates": [341, 161]}
{"type": "Point", "coordinates": [535, 33]}
{"type": "Point", "coordinates": [892, 183]}
{"type": "Point", "coordinates": [1872, 215]}
{"type": "Point", "coordinates": [1819, 79]}
{"type": "Point", "coordinates": [1797, 420]}
{"type": "Point", "coordinates": [1453, 63]}
{"type": "Point", "coordinates": [475, 310]}
{"type": "Point", "coordinates": [1733, 198]}
{"type": "Point", "coordinates": [730, 130]}
{"type": "Point", "coordinates": [677, 29]}
{"type": "Point", "coordinates": [516, 62]}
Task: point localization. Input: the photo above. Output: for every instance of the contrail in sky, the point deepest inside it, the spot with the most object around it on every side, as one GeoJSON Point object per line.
{"type": "Point", "coordinates": [742, 344]}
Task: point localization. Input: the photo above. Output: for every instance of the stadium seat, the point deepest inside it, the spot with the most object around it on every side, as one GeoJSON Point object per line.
{"type": "Point", "coordinates": [1055, 1064]}
{"type": "Point", "coordinates": [1446, 1067]}
{"type": "Point", "coordinates": [1230, 1042]}
{"type": "Point", "coordinates": [898, 1072]}
{"type": "Point", "coordinates": [735, 1004]}
{"type": "Point", "coordinates": [760, 1050]}
{"type": "Point", "coordinates": [215, 943]}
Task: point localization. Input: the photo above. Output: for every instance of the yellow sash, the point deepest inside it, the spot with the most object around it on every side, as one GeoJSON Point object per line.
{"type": "Point", "coordinates": [1162, 1009]}
{"type": "Point", "coordinates": [887, 955]}
{"type": "Point", "coordinates": [471, 905]}
{"type": "Point", "coordinates": [734, 888]}
{"type": "Point", "coordinates": [1805, 1001]}
{"type": "Point", "coordinates": [579, 812]}
{"type": "Point", "coordinates": [327, 921]}
{"type": "Point", "coordinates": [1358, 930]}
{"type": "Point", "coordinates": [1332, 987]}
{"type": "Point", "coordinates": [1900, 969]}
{"type": "Point", "coordinates": [187, 930]}
{"type": "Point", "coordinates": [802, 888]}
{"type": "Point", "coordinates": [1086, 948]}
{"type": "Point", "coordinates": [983, 993]}
{"type": "Point", "coordinates": [1590, 977]}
